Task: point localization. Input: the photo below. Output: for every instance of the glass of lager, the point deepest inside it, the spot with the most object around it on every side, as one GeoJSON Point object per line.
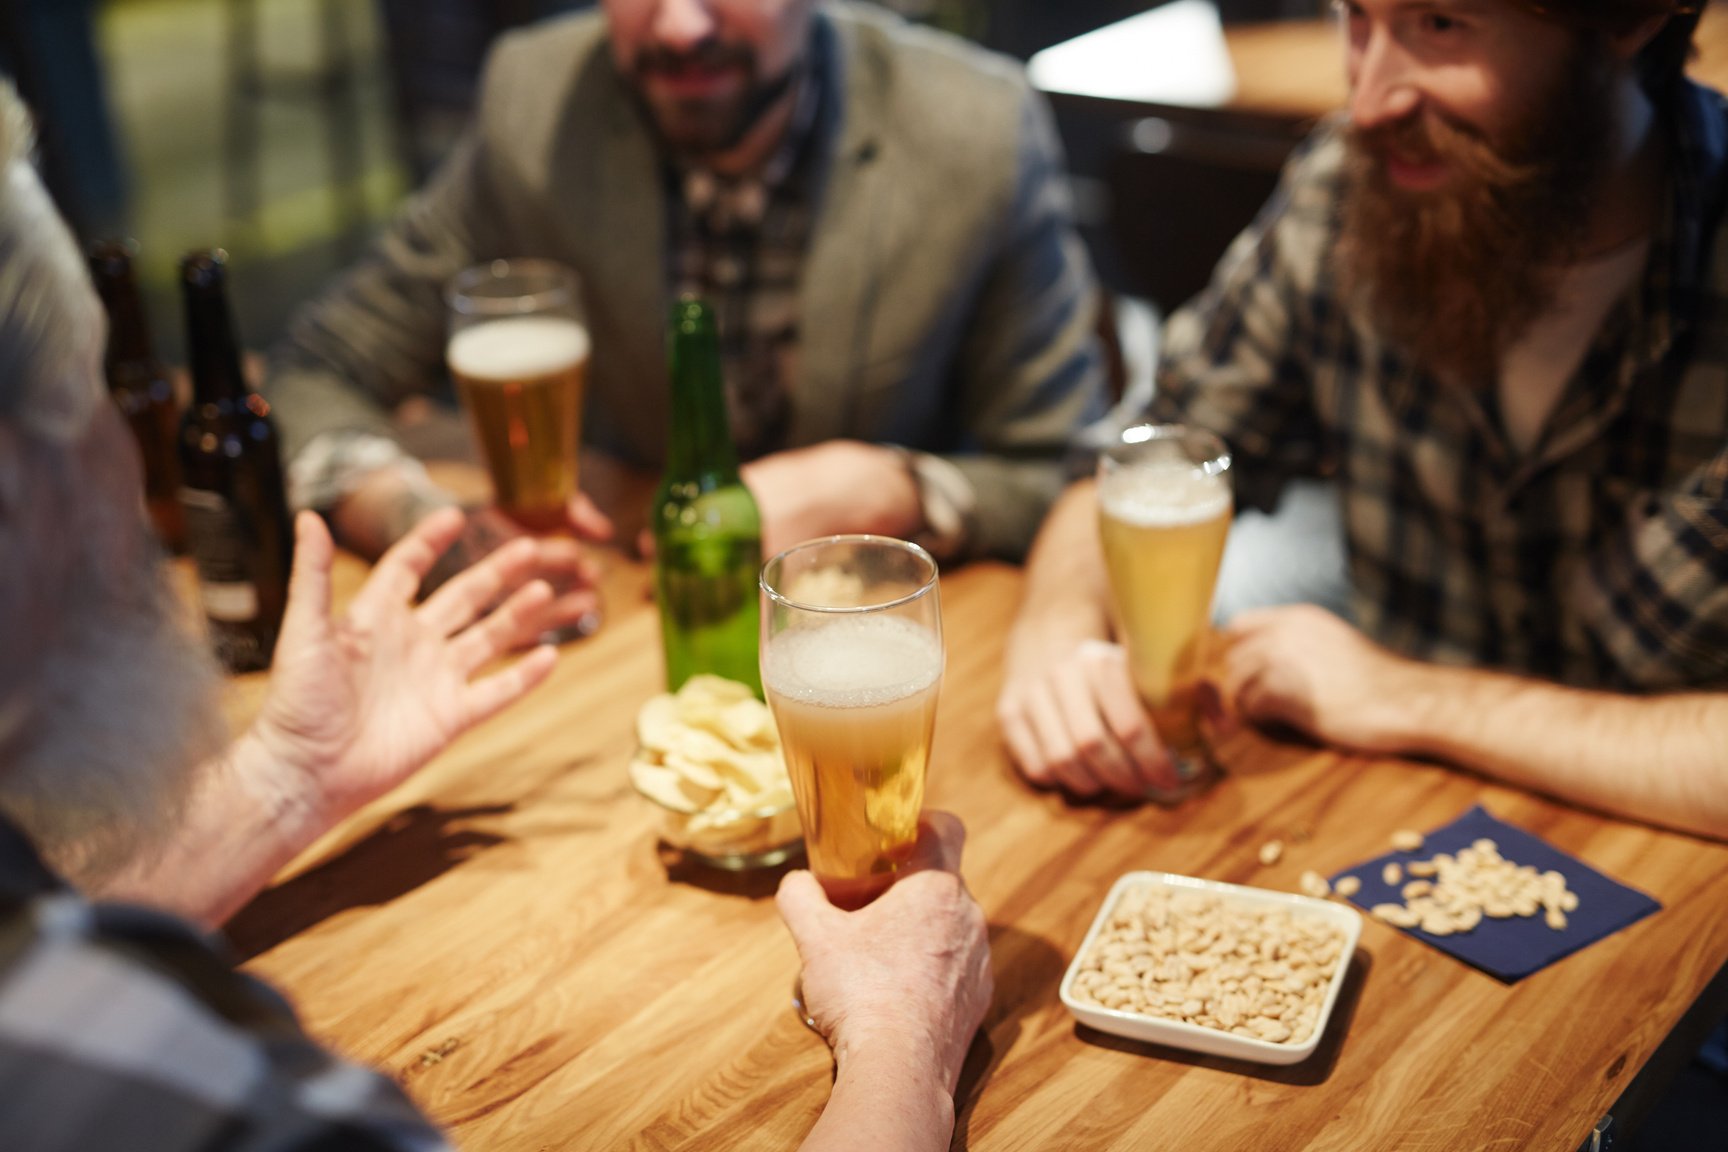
{"type": "Point", "coordinates": [851, 663]}
{"type": "Point", "coordinates": [1163, 513]}
{"type": "Point", "coordinates": [518, 352]}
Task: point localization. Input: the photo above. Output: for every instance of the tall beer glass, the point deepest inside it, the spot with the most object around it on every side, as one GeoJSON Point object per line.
{"type": "Point", "coordinates": [518, 351]}
{"type": "Point", "coordinates": [851, 663]}
{"type": "Point", "coordinates": [1163, 514]}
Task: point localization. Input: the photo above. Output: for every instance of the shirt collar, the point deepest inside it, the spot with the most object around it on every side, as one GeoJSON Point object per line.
{"type": "Point", "coordinates": [22, 872]}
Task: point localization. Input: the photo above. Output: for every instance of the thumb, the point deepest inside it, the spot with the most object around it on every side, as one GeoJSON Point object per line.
{"type": "Point", "coordinates": [309, 584]}
{"type": "Point", "coordinates": [804, 907]}
{"type": "Point", "coordinates": [586, 519]}
{"type": "Point", "coordinates": [941, 839]}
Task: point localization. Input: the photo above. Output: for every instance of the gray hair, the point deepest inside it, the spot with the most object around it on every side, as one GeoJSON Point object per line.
{"type": "Point", "coordinates": [107, 705]}
{"type": "Point", "coordinates": [51, 325]}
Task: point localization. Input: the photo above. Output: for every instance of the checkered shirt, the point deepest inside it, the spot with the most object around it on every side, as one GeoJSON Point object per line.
{"type": "Point", "coordinates": [122, 1028]}
{"type": "Point", "coordinates": [740, 244]}
{"type": "Point", "coordinates": [1597, 558]}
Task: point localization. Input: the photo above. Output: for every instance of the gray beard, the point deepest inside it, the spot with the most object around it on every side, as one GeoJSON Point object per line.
{"type": "Point", "coordinates": [122, 712]}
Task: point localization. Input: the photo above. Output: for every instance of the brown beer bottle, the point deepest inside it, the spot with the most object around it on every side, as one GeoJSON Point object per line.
{"type": "Point", "coordinates": [237, 522]}
{"type": "Point", "coordinates": [142, 389]}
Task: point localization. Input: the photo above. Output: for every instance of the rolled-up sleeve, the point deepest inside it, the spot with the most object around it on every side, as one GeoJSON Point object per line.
{"type": "Point", "coordinates": [1656, 593]}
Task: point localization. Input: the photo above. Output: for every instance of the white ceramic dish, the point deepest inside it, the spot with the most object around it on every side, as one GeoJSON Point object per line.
{"type": "Point", "coordinates": [1179, 1034]}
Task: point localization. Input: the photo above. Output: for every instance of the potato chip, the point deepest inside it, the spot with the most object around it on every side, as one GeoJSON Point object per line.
{"type": "Point", "coordinates": [710, 751]}
{"type": "Point", "coordinates": [657, 724]}
{"type": "Point", "coordinates": [662, 785]}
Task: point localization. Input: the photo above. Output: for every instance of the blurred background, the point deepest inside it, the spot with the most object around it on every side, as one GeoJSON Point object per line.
{"type": "Point", "coordinates": [286, 130]}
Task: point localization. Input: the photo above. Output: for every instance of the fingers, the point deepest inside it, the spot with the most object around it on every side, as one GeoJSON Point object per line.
{"type": "Point", "coordinates": [516, 622]}
{"type": "Point", "coordinates": [1216, 705]}
{"type": "Point", "coordinates": [572, 613]}
{"type": "Point", "coordinates": [397, 575]}
{"type": "Point", "coordinates": [566, 565]}
{"type": "Point", "coordinates": [309, 583]}
{"type": "Point", "coordinates": [465, 597]}
{"type": "Point", "coordinates": [1125, 718]}
{"type": "Point", "coordinates": [490, 694]}
{"type": "Point", "coordinates": [586, 519]}
{"type": "Point", "coordinates": [941, 840]}
{"type": "Point", "coordinates": [1056, 744]}
{"type": "Point", "coordinates": [1104, 758]}
{"type": "Point", "coordinates": [804, 907]}
{"type": "Point", "coordinates": [1023, 749]}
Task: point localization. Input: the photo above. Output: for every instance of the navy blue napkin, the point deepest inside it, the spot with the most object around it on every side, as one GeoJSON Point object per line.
{"type": "Point", "coordinates": [1511, 949]}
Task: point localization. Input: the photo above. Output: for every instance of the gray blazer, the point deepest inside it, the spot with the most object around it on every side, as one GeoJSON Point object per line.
{"type": "Point", "coordinates": [946, 304]}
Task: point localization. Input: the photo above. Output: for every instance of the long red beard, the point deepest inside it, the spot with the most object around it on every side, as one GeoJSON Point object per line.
{"type": "Point", "coordinates": [1452, 278]}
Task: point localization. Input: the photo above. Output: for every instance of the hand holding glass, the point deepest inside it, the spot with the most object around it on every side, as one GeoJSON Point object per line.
{"type": "Point", "coordinates": [1163, 514]}
{"type": "Point", "coordinates": [519, 353]}
{"type": "Point", "coordinates": [851, 663]}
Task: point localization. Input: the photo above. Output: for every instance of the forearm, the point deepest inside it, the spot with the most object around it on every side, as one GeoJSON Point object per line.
{"type": "Point", "coordinates": [242, 825]}
{"type": "Point", "coordinates": [1660, 759]}
{"type": "Point", "coordinates": [1011, 496]}
{"type": "Point", "coordinates": [1066, 590]}
{"type": "Point", "coordinates": [884, 1101]}
{"type": "Point", "coordinates": [383, 506]}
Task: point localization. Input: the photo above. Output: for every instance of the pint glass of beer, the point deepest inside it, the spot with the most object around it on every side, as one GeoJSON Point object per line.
{"type": "Point", "coordinates": [518, 351]}
{"type": "Point", "coordinates": [1163, 513]}
{"type": "Point", "coordinates": [851, 663]}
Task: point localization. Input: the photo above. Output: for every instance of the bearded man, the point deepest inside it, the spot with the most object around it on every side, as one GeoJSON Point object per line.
{"type": "Point", "coordinates": [876, 211]}
{"type": "Point", "coordinates": [1490, 302]}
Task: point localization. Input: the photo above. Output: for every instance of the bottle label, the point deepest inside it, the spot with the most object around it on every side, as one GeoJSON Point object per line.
{"type": "Point", "coordinates": [217, 539]}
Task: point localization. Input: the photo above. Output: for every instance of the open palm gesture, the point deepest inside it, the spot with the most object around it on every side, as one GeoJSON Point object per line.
{"type": "Point", "coordinates": [358, 704]}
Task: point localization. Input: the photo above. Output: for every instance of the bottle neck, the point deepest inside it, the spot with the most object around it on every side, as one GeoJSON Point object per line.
{"type": "Point", "coordinates": [701, 447]}
{"type": "Point", "coordinates": [211, 344]}
{"type": "Point", "coordinates": [128, 331]}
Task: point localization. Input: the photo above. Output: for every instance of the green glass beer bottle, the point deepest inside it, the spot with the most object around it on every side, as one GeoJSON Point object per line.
{"type": "Point", "coordinates": [707, 531]}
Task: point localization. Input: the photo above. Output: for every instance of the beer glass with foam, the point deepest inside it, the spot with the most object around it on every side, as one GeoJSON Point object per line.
{"type": "Point", "coordinates": [851, 663]}
{"type": "Point", "coordinates": [518, 352]}
{"type": "Point", "coordinates": [1163, 513]}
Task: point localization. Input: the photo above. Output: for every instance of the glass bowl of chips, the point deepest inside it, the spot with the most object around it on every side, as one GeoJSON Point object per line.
{"type": "Point", "coordinates": [708, 757]}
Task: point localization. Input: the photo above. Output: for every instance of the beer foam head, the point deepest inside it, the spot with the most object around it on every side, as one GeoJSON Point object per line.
{"type": "Point", "coordinates": [1164, 494]}
{"type": "Point", "coordinates": [853, 661]}
{"type": "Point", "coordinates": [518, 348]}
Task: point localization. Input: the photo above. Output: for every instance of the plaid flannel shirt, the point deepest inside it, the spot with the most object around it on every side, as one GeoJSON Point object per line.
{"type": "Point", "coordinates": [123, 1028]}
{"type": "Point", "coordinates": [1597, 558]}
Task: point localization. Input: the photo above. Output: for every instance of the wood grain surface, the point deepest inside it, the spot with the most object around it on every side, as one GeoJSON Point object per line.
{"type": "Point", "coordinates": [505, 936]}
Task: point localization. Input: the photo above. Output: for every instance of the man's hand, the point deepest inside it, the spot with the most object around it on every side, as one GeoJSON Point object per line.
{"type": "Point", "coordinates": [1304, 667]}
{"type": "Point", "coordinates": [908, 974]}
{"type": "Point", "coordinates": [356, 705]}
{"type": "Point", "coordinates": [389, 502]}
{"type": "Point", "coordinates": [1072, 719]}
{"type": "Point", "coordinates": [560, 561]}
{"type": "Point", "coordinates": [830, 488]}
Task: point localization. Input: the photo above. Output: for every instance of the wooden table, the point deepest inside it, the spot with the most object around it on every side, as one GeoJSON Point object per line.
{"type": "Point", "coordinates": [503, 936]}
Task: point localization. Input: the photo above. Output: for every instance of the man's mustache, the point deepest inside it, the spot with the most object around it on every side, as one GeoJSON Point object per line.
{"type": "Point", "coordinates": [711, 55]}
{"type": "Point", "coordinates": [1428, 137]}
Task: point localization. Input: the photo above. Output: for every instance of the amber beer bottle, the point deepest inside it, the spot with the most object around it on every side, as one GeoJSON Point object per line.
{"type": "Point", "coordinates": [141, 388]}
{"type": "Point", "coordinates": [237, 521]}
{"type": "Point", "coordinates": [707, 531]}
